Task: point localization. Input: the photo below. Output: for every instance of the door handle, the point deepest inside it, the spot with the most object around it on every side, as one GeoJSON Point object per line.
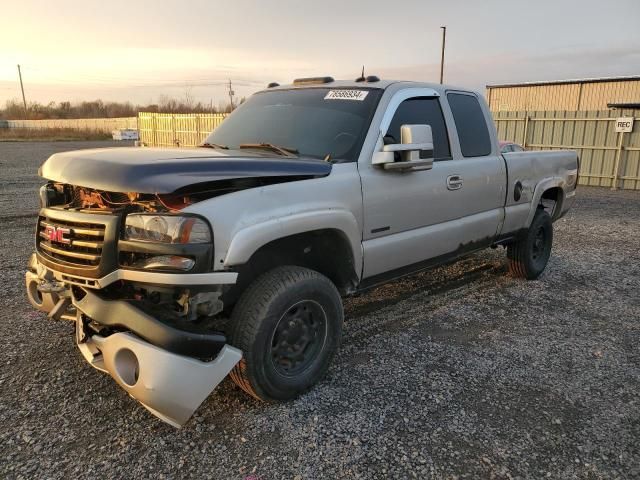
{"type": "Point", "coordinates": [454, 182]}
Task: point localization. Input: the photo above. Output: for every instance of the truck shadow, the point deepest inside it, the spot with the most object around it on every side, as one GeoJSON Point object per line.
{"type": "Point", "coordinates": [432, 282]}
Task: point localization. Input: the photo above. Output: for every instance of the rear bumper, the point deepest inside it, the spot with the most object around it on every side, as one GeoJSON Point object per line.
{"type": "Point", "coordinates": [170, 386]}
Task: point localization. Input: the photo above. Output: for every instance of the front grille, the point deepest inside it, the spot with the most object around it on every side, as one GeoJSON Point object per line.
{"type": "Point", "coordinates": [71, 242]}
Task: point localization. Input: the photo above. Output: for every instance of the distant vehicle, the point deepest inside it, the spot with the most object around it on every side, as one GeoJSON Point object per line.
{"type": "Point", "coordinates": [125, 134]}
{"type": "Point", "coordinates": [181, 266]}
{"type": "Point", "coordinates": [508, 147]}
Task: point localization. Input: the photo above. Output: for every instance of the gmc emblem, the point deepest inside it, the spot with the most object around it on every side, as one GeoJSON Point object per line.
{"type": "Point", "coordinates": [57, 234]}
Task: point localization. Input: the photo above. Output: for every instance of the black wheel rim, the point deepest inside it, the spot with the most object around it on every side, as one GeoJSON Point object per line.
{"type": "Point", "coordinates": [298, 338]}
{"type": "Point", "coordinates": [539, 246]}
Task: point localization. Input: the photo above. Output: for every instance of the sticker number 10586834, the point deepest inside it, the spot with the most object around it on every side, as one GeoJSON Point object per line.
{"type": "Point", "coordinates": [357, 95]}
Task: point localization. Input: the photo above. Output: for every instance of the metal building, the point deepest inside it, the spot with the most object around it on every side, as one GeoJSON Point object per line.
{"type": "Point", "coordinates": [581, 94]}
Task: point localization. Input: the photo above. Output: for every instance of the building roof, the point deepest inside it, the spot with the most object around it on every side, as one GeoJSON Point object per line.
{"type": "Point", "coordinates": [623, 105]}
{"type": "Point", "coordinates": [565, 82]}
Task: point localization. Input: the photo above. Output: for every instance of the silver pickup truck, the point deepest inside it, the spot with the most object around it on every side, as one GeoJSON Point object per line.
{"type": "Point", "coordinates": [182, 266]}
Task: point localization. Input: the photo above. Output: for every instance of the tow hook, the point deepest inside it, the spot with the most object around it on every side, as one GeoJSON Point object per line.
{"type": "Point", "coordinates": [59, 291]}
{"type": "Point", "coordinates": [51, 286]}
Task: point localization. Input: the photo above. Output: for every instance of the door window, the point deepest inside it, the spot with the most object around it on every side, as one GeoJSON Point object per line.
{"type": "Point", "coordinates": [471, 125]}
{"type": "Point", "coordinates": [421, 111]}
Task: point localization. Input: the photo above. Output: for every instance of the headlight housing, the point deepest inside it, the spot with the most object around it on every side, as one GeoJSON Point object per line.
{"type": "Point", "coordinates": [180, 229]}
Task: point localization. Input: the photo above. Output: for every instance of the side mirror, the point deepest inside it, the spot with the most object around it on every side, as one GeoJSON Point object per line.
{"type": "Point", "coordinates": [415, 148]}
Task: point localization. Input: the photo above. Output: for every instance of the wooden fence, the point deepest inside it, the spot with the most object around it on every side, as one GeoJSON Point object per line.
{"type": "Point", "coordinates": [607, 158]}
{"type": "Point", "coordinates": [170, 130]}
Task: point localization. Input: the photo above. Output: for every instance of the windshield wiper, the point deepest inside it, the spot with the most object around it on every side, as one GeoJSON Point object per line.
{"type": "Point", "coordinates": [213, 145]}
{"type": "Point", "coordinates": [286, 151]}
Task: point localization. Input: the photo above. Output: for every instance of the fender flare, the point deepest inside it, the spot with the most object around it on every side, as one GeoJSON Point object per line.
{"type": "Point", "coordinates": [248, 240]}
{"type": "Point", "coordinates": [541, 187]}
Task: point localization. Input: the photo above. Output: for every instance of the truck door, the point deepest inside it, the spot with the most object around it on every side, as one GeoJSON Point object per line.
{"type": "Point", "coordinates": [414, 218]}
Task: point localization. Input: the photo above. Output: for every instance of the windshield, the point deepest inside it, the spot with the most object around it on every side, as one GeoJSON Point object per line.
{"type": "Point", "coordinates": [314, 122]}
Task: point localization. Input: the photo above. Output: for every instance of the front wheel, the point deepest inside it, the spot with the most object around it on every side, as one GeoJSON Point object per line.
{"type": "Point", "coordinates": [288, 325]}
{"type": "Point", "coordinates": [529, 255]}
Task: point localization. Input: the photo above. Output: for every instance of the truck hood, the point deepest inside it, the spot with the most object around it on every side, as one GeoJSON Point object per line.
{"type": "Point", "coordinates": [165, 170]}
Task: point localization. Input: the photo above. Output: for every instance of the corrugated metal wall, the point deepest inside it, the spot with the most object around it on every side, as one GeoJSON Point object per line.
{"type": "Point", "coordinates": [569, 96]}
{"type": "Point", "coordinates": [106, 125]}
{"type": "Point", "coordinates": [607, 158]}
{"type": "Point", "coordinates": [595, 96]}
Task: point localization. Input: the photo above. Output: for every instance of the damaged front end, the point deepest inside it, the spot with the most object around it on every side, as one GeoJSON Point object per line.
{"type": "Point", "coordinates": [136, 277]}
{"type": "Point", "coordinates": [159, 356]}
{"type": "Point", "coordinates": [117, 253]}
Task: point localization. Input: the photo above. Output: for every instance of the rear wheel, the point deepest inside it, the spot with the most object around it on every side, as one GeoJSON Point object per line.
{"type": "Point", "coordinates": [529, 255]}
{"type": "Point", "coordinates": [288, 325]}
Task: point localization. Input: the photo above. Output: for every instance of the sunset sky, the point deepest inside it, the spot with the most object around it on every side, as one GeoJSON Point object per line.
{"type": "Point", "coordinates": [139, 50]}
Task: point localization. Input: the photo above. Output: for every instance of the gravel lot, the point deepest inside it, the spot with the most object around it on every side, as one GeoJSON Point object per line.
{"type": "Point", "coordinates": [462, 372]}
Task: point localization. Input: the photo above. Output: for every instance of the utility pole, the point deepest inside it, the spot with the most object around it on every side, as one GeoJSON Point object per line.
{"type": "Point", "coordinates": [444, 37]}
{"type": "Point", "coordinates": [24, 101]}
{"type": "Point", "coordinates": [231, 94]}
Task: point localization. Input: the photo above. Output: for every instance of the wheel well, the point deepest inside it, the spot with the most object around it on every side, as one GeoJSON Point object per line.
{"type": "Point", "coordinates": [327, 251]}
{"type": "Point", "coordinates": [551, 201]}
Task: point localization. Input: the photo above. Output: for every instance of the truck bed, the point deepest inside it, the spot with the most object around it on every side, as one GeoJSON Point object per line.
{"type": "Point", "coordinates": [535, 172]}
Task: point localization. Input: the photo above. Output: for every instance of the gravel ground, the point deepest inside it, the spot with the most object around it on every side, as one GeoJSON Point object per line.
{"type": "Point", "coordinates": [462, 372]}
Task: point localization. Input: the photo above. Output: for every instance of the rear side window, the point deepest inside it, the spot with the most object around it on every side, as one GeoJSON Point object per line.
{"type": "Point", "coordinates": [471, 125]}
{"type": "Point", "coordinates": [421, 111]}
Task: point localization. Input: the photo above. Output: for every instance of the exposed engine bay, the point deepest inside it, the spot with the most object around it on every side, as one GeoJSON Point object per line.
{"type": "Point", "coordinates": [97, 201]}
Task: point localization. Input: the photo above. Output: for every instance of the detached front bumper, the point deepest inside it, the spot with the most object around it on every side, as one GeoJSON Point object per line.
{"type": "Point", "coordinates": [155, 363]}
{"type": "Point", "coordinates": [170, 386]}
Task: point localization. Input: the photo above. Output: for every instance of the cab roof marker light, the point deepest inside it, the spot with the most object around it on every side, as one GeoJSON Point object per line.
{"type": "Point", "coordinates": [312, 80]}
{"type": "Point", "coordinates": [368, 79]}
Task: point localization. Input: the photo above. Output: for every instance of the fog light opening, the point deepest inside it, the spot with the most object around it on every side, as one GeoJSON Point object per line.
{"type": "Point", "coordinates": [34, 294]}
{"type": "Point", "coordinates": [127, 366]}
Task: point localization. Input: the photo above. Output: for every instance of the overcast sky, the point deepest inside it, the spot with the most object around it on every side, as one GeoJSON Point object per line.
{"type": "Point", "coordinates": [138, 50]}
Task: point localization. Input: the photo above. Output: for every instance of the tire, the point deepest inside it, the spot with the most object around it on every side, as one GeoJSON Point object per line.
{"type": "Point", "coordinates": [529, 255]}
{"type": "Point", "coordinates": [288, 324]}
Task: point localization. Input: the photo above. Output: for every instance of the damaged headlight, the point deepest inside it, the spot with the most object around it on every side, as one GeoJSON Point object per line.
{"type": "Point", "coordinates": [166, 229]}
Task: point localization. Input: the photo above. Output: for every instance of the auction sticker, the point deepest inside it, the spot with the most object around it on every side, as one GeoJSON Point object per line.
{"type": "Point", "coordinates": [357, 95]}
